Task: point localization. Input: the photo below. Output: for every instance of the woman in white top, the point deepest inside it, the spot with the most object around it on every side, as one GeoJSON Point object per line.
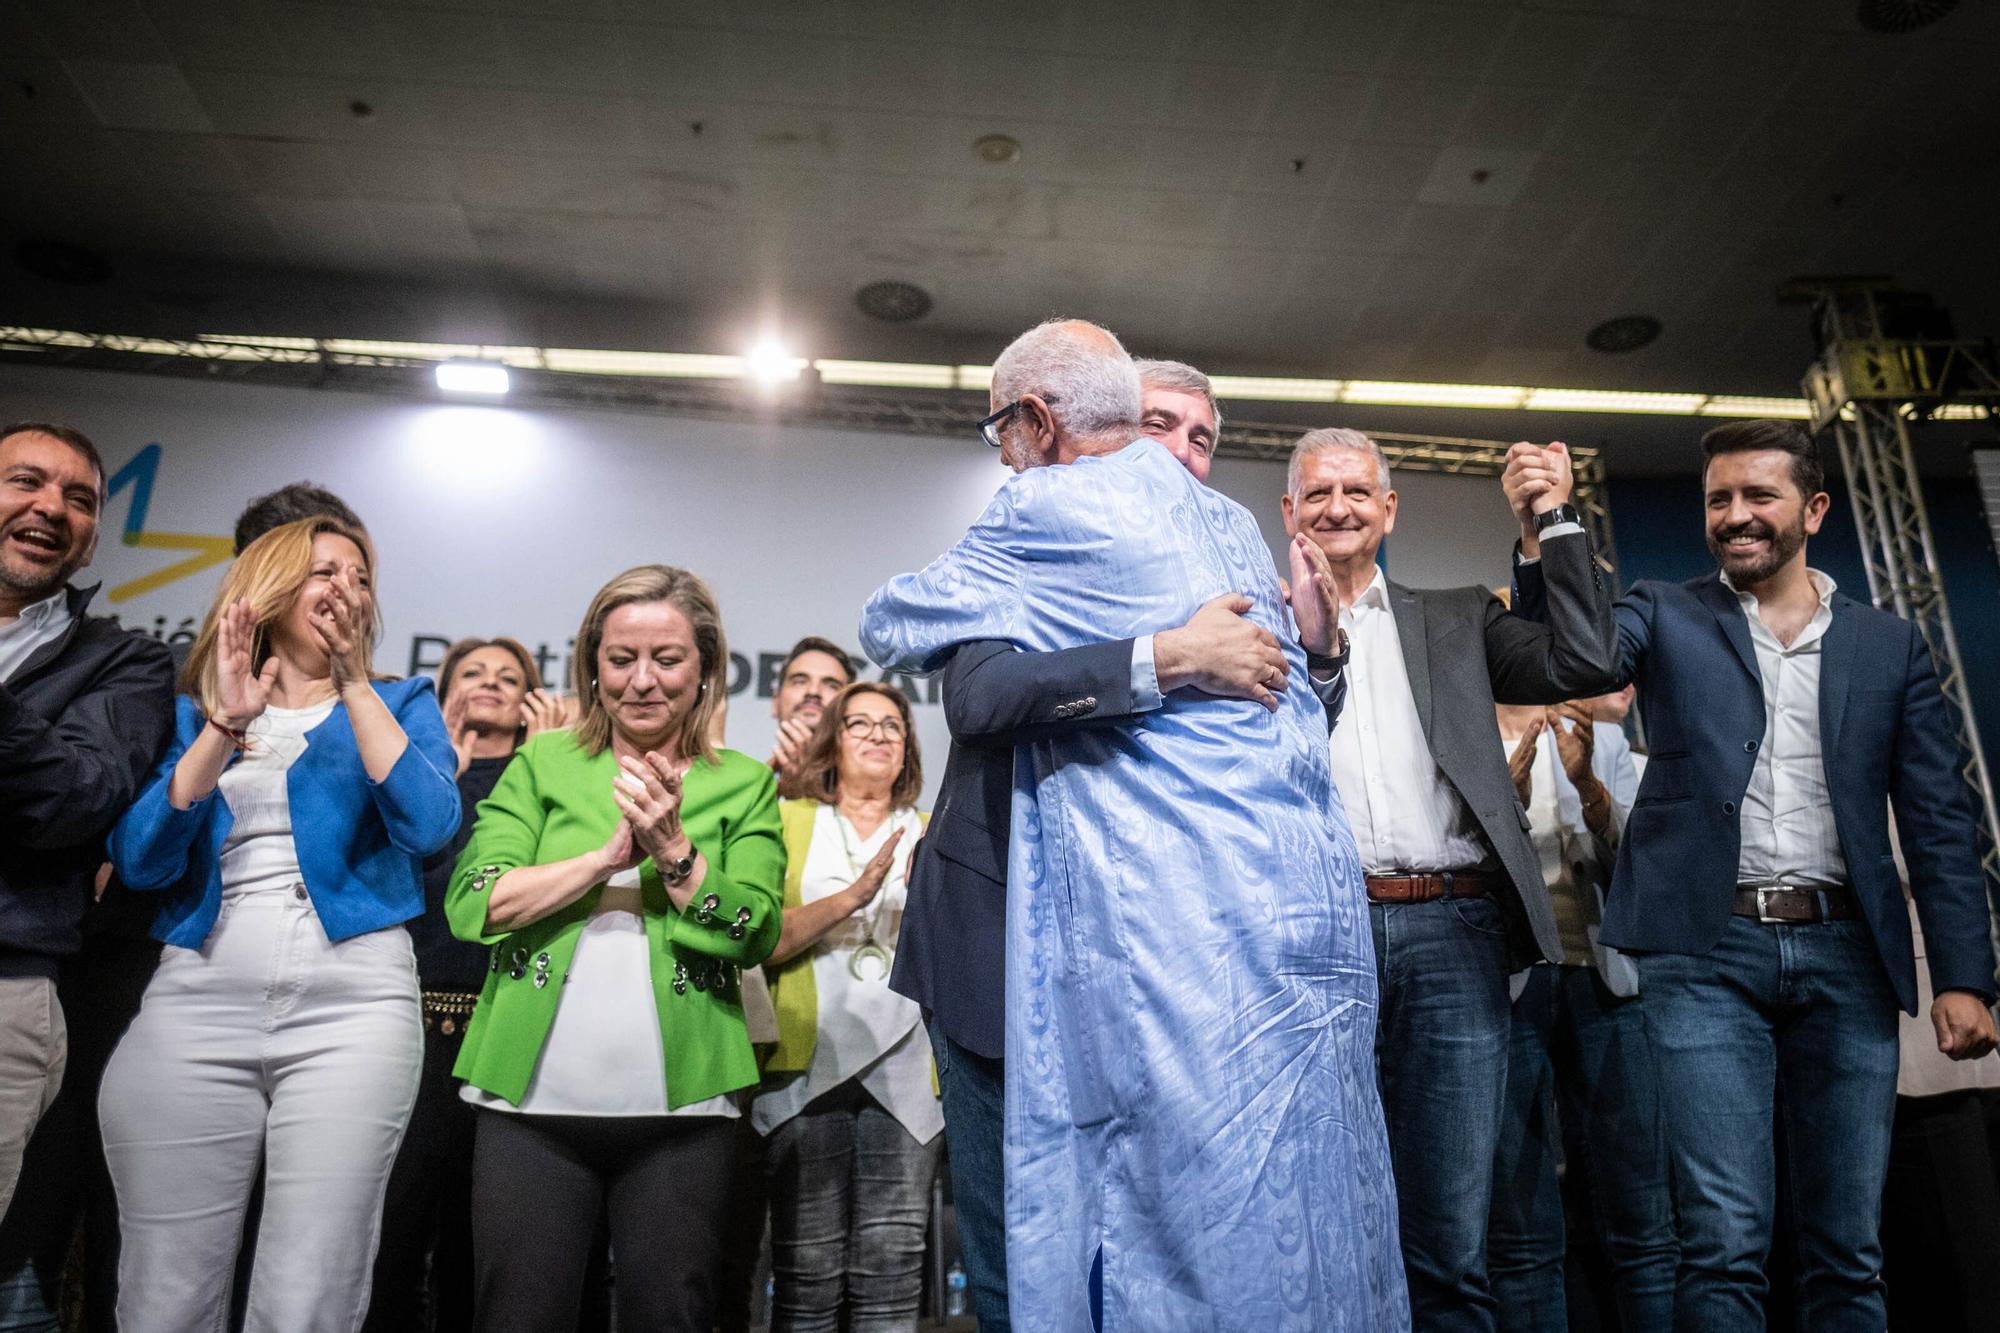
{"type": "Point", "coordinates": [281, 835]}
{"type": "Point", "coordinates": [848, 1105]}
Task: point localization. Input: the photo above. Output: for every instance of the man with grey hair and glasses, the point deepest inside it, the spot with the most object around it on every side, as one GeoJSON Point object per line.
{"type": "Point", "coordinates": [1456, 895]}
{"type": "Point", "coordinates": [1190, 984]}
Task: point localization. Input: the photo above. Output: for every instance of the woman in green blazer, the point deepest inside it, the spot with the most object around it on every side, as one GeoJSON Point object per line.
{"type": "Point", "coordinates": [624, 873]}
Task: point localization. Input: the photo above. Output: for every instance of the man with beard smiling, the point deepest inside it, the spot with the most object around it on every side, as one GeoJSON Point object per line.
{"type": "Point", "coordinates": [1756, 885]}
{"type": "Point", "coordinates": [84, 712]}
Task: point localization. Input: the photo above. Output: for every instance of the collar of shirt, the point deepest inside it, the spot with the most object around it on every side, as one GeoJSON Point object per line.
{"type": "Point", "coordinates": [37, 624]}
{"type": "Point", "coordinates": [1815, 629]}
{"type": "Point", "coordinates": [1374, 597]}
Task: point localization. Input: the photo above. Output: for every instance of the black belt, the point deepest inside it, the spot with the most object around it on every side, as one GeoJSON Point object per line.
{"type": "Point", "coordinates": [1784, 905]}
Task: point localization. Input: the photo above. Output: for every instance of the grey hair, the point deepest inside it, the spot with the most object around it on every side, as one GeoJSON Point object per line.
{"type": "Point", "coordinates": [1328, 438]}
{"type": "Point", "coordinates": [1091, 392]}
{"type": "Point", "coordinates": [1182, 378]}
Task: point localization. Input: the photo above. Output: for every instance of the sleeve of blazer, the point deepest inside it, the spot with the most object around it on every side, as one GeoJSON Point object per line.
{"type": "Point", "coordinates": [418, 800]}
{"type": "Point", "coordinates": [66, 782]}
{"type": "Point", "coordinates": [997, 696]}
{"type": "Point", "coordinates": [745, 879]}
{"type": "Point", "coordinates": [1939, 834]}
{"type": "Point", "coordinates": [1568, 652]}
{"type": "Point", "coordinates": [1631, 627]}
{"type": "Point", "coordinates": [506, 834]}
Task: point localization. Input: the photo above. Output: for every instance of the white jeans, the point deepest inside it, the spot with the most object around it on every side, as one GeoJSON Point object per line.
{"type": "Point", "coordinates": [268, 1045]}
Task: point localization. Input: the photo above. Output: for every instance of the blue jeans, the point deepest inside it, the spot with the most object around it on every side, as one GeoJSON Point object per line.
{"type": "Point", "coordinates": [850, 1193]}
{"type": "Point", "coordinates": [1792, 1025]}
{"type": "Point", "coordinates": [1579, 1048]}
{"type": "Point", "coordinates": [974, 1088]}
{"type": "Point", "coordinates": [1441, 1052]}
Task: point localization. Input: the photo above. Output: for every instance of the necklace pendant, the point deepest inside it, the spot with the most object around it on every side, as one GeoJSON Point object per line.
{"type": "Point", "coordinates": [869, 962]}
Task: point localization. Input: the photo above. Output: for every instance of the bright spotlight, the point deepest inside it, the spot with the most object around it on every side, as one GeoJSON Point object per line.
{"type": "Point", "coordinates": [483, 377]}
{"type": "Point", "coordinates": [768, 363]}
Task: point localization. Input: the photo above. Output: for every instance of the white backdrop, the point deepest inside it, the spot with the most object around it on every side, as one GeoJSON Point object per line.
{"type": "Point", "coordinates": [495, 520]}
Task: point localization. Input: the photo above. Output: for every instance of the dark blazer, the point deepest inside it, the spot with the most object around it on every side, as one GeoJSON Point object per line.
{"type": "Point", "coordinates": [80, 723]}
{"type": "Point", "coordinates": [1886, 738]}
{"type": "Point", "coordinates": [952, 955]}
{"type": "Point", "coordinates": [1464, 651]}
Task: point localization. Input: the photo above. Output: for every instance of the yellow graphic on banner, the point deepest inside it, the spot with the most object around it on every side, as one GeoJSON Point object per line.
{"type": "Point", "coordinates": [208, 551]}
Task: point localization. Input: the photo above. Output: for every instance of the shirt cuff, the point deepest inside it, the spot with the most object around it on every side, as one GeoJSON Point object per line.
{"type": "Point", "coordinates": [1145, 681]}
{"type": "Point", "coordinates": [1553, 530]}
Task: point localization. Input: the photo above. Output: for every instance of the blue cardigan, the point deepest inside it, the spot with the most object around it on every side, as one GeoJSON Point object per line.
{"type": "Point", "coordinates": [360, 843]}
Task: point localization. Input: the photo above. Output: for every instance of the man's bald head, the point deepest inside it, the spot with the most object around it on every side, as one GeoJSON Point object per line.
{"type": "Point", "coordinates": [1078, 391]}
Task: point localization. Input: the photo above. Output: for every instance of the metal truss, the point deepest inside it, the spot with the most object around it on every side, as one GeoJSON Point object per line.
{"type": "Point", "coordinates": [1869, 389]}
{"type": "Point", "coordinates": [386, 368]}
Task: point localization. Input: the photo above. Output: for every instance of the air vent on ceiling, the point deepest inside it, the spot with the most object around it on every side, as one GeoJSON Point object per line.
{"type": "Point", "coordinates": [59, 261]}
{"type": "Point", "coordinates": [1902, 15]}
{"type": "Point", "coordinates": [1627, 333]}
{"type": "Point", "coordinates": [893, 302]}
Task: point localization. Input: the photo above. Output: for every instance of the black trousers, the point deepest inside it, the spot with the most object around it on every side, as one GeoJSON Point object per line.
{"type": "Point", "coordinates": [427, 1211]}
{"type": "Point", "coordinates": [539, 1185]}
{"type": "Point", "coordinates": [1941, 1214]}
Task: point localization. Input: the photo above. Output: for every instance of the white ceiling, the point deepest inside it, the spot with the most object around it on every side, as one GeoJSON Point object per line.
{"type": "Point", "coordinates": [1260, 185]}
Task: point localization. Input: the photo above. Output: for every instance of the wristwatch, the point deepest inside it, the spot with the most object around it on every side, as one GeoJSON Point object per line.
{"type": "Point", "coordinates": [1326, 668]}
{"type": "Point", "coordinates": [1562, 513]}
{"type": "Point", "coordinates": [677, 869]}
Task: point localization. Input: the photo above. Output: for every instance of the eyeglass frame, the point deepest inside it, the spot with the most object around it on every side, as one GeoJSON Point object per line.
{"type": "Point", "coordinates": [989, 427]}
{"type": "Point", "coordinates": [861, 727]}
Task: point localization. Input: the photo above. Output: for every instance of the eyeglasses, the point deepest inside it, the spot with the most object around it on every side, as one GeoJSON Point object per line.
{"type": "Point", "coordinates": [989, 429]}
{"type": "Point", "coordinates": [860, 727]}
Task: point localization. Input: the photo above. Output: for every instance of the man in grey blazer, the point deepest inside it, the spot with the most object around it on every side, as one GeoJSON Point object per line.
{"type": "Point", "coordinates": [1456, 895]}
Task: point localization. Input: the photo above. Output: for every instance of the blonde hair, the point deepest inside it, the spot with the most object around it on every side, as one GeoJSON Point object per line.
{"type": "Point", "coordinates": [686, 593]}
{"type": "Point", "coordinates": [269, 575]}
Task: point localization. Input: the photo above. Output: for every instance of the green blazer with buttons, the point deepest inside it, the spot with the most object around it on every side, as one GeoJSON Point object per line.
{"type": "Point", "coordinates": [554, 802]}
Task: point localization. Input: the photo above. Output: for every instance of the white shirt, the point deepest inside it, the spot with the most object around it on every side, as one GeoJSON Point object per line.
{"type": "Point", "coordinates": [39, 623]}
{"type": "Point", "coordinates": [604, 1054]}
{"type": "Point", "coordinates": [1787, 815]}
{"type": "Point", "coordinates": [1405, 815]}
{"type": "Point", "coordinates": [867, 1032]}
{"type": "Point", "coordinates": [259, 855]}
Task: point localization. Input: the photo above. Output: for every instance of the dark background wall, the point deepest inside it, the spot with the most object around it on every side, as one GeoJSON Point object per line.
{"type": "Point", "coordinates": [1657, 523]}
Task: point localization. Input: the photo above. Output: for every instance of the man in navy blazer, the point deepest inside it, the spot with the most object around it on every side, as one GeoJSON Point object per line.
{"type": "Point", "coordinates": [1756, 886]}
{"type": "Point", "coordinates": [951, 955]}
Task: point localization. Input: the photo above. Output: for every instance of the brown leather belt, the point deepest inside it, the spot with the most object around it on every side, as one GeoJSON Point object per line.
{"type": "Point", "coordinates": [1783, 905]}
{"type": "Point", "coordinates": [1428, 888]}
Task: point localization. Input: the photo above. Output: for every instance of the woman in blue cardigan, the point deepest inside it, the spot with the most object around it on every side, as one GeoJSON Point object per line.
{"type": "Point", "coordinates": [283, 831]}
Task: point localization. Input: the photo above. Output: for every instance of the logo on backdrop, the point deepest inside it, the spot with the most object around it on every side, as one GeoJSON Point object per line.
{"type": "Point", "coordinates": [207, 551]}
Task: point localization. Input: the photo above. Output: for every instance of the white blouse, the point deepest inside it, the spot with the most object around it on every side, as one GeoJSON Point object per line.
{"type": "Point", "coordinates": [604, 1054]}
{"type": "Point", "coordinates": [259, 855]}
{"type": "Point", "coordinates": [866, 1031]}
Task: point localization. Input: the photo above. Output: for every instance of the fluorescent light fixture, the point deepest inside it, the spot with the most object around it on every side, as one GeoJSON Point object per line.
{"type": "Point", "coordinates": [975, 377]}
{"type": "Point", "coordinates": [1396, 394]}
{"type": "Point", "coordinates": [1612, 400]}
{"type": "Point", "coordinates": [653, 365]}
{"type": "Point", "coordinates": [887, 374]}
{"type": "Point", "coordinates": [1727, 405]}
{"type": "Point", "coordinates": [769, 363]}
{"type": "Point", "coordinates": [1276, 390]}
{"type": "Point", "coordinates": [482, 377]}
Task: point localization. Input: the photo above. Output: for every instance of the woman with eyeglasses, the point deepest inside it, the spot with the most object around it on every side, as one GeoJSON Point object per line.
{"type": "Point", "coordinates": [623, 872]}
{"type": "Point", "coordinates": [849, 1108]}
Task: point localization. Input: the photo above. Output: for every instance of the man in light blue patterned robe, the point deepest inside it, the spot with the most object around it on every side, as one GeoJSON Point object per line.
{"type": "Point", "coordinates": [1191, 1102]}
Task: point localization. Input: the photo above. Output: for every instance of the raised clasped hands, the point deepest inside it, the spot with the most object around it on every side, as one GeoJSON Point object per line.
{"type": "Point", "coordinates": [1536, 479]}
{"type": "Point", "coordinates": [242, 692]}
{"type": "Point", "coordinates": [340, 623]}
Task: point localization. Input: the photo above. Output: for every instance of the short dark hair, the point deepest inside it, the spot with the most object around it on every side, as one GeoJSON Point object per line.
{"type": "Point", "coordinates": [289, 504]}
{"type": "Point", "coordinates": [70, 436]}
{"type": "Point", "coordinates": [813, 643]}
{"type": "Point", "coordinates": [1747, 437]}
